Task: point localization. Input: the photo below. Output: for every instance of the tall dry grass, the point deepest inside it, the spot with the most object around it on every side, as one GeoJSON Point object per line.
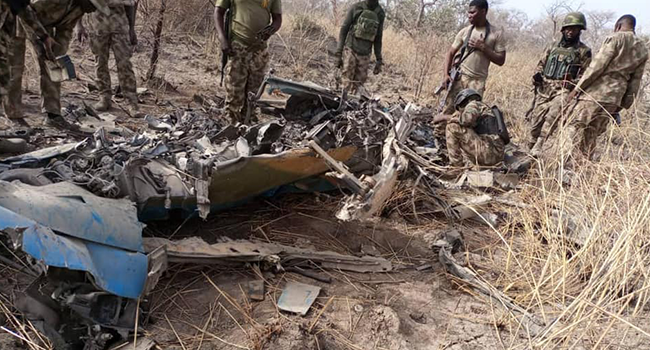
{"type": "Point", "coordinates": [576, 256]}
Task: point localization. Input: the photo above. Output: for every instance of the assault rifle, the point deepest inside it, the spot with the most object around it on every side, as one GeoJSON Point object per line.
{"type": "Point", "coordinates": [455, 72]}
{"type": "Point", "coordinates": [227, 20]}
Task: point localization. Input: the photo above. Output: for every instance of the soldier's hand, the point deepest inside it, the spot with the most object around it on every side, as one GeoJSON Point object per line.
{"type": "Point", "coordinates": [48, 44]}
{"type": "Point", "coordinates": [538, 79]}
{"type": "Point", "coordinates": [478, 44]}
{"type": "Point", "coordinates": [377, 69]}
{"type": "Point", "coordinates": [226, 48]}
{"type": "Point", "coordinates": [446, 80]}
{"type": "Point", "coordinates": [133, 37]}
{"type": "Point", "coordinates": [82, 35]}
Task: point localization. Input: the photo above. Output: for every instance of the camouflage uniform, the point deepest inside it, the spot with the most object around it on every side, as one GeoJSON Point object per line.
{"type": "Point", "coordinates": [355, 72]}
{"type": "Point", "coordinates": [249, 59]}
{"type": "Point", "coordinates": [465, 146]}
{"type": "Point", "coordinates": [59, 18]}
{"type": "Point", "coordinates": [552, 92]}
{"type": "Point", "coordinates": [10, 28]}
{"type": "Point", "coordinates": [611, 83]}
{"type": "Point", "coordinates": [111, 32]}
{"type": "Point", "coordinates": [245, 73]}
{"type": "Point", "coordinates": [357, 50]}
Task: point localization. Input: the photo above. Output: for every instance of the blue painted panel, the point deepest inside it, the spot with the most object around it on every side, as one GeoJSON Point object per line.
{"type": "Point", "coordinates": [73, 211]}
{"type": "Point", "coordinates": [117, 271]}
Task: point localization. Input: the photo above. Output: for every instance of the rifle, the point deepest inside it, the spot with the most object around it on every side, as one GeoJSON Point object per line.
{"type": "Point", "coordinates": [454, 74]}
{"type": "Point", "coordinates": [455, 71]}
{"type": "Point", "coordinates": [227, 20]}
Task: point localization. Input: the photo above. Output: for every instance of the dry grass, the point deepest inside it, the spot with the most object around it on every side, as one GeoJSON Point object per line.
{"type": "Point", "coordinates": [592, 295]}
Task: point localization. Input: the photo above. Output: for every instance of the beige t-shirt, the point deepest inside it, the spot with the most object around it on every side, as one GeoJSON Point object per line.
{"type": "Point", "coordinates": [476, 65]}
{"type": "Point", "coordinates": [250, 17]}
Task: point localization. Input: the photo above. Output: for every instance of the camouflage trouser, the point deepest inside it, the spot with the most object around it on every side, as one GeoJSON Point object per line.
{"type": "Point", "coordinates": [245, 73]}
{"type": "Point", "coordinates": [13, 101]}
{"type": "Point", "coordinates": [101, 45]}
{"type": "Point", "coordinates": [463, 83]}
{"type": "Point", "coordinates": [5, 72]}
{"type": "Point", "coordinates": [355, 71]}
{"type": "Point", "coordinates": [545, 119]}
{"type": "Point", "coordinates": [466, 147]}
{"type": "Point", "coordinates": [51, 91]}
{"type": "Point", "coordinates": [587, 121]}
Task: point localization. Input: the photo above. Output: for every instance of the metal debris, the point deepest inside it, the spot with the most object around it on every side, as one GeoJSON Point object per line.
{"type": "Point", "coordinates": [195, 250]}
{"type": "Point", "coordinates": [298, 298]}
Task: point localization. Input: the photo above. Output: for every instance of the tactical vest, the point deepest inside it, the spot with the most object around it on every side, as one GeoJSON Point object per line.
{"type": "Point", "coordinates": [562, 63]}
{"type": "Point", "coordinates": [493, 125]}
{"type": "Point", "coordinates": [367, 25]}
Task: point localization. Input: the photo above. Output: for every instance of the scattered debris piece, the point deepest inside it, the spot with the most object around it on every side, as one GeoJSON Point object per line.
{"type": "Point", "coordinates": [195, 250]}
{"type": "Point", "coordinates": [450, 242]}
{"type": "Point", "coordinates": [298, 298]}
{"type": "Point", "coordinates": [256, 290]}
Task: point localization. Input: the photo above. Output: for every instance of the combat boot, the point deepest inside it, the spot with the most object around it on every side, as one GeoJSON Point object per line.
{"type": "Point", "coordinates": [104, 104]}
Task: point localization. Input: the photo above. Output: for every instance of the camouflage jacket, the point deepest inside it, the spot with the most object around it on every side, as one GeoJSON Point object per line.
{"type": "Point", "coordinates": [10, 9]}
{"type": "Point", "coordinates": [584, 59]}
{"type": "Point", "coordinates": [60, 14]}
{"type": "Point", "coordinates": [116, 22]}
{"type": "Point", "coordinates": [470, 116]}
{"type": "Point", "coordinates": [614, 76]}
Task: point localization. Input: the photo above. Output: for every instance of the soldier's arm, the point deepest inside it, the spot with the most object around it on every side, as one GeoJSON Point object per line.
{"type": "Point", "coordinates": [25, 11]}
{"type": "Point", "coordinates": [542, 62]}
{"type": "Point", "coordinates": [633, 87]}
{"type": "Point", "coordinates": [599, 63]}
{"type": "Point", "coordinates": [469, 116]}
{"type": "Point", "coordinates": [219, 17]}
{"type": "Point", "coordinates": [378, 39]}
{"type": "Point", "coordinates": [451, 53]}
{"type": "Point", "coordinates": [345, 29]}
{"type": "Point", "coordinates": [131, 12]}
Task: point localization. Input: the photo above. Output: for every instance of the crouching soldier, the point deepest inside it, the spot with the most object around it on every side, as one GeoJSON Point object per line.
{"type": "Point", "coordinates": [476, 134]}
{"type": "Point", "coordinates": [361, 32]}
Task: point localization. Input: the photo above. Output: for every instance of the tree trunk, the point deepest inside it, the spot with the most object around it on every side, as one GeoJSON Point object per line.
{"type": "Point", "coordinates": [156, 43]}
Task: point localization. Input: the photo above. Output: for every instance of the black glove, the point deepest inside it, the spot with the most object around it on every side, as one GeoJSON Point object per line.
{"type": "Point", "coordinates": [538, 79]}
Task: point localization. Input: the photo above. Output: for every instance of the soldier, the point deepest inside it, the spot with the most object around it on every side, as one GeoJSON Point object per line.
{"type": "Point", "coordinates": [474, 49]}
{"type": "Point", "coordinates": [611, 83]}
{"type": "Point", "coordinates": [555, 76]}
{"type": "Point", "coordinates": [473, 132]}
{"type": "Point", "coordinates": [11, 10]}
{"type": "Point", "coordinates": [253, 23]}
{"type": "Point", "coordinates": [114, 31]}
{"type": "Point", "coordinates": [362, 30]}
{"type": "Point", "coordinates": [59, 18]}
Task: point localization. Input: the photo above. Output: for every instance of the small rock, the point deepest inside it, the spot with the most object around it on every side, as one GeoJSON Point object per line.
{"type": "Point", "coordinates": [418, 317]}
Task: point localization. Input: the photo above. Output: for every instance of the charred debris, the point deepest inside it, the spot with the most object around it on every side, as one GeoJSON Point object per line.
{"type": "Point", "coordinates": [76, 211]}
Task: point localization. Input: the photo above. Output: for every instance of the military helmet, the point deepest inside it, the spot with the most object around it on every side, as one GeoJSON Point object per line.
{"type": "Point", "coordinates": [575, 19]}
{"type": "Point", "coordinates": [464, 95]}
{"type": "Point", "coordinates": [101, 6]}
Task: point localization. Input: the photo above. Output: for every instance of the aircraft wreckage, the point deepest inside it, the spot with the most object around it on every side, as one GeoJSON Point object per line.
{"type": "Point", "coordinates": [77, 210]}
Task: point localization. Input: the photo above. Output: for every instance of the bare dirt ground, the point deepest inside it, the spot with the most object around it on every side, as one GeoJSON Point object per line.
{"type": "Point", "coordinates": [197, 307]}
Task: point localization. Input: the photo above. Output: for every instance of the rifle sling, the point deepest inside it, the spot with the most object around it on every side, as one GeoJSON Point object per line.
{"type": "Point", "coordinates": [471, 50]}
